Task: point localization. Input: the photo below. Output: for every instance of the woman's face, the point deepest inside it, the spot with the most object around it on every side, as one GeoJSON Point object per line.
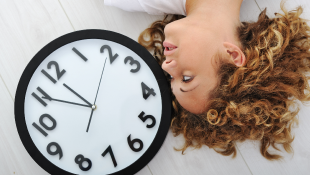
{"type": "Point", "coordinates": [191, 64]}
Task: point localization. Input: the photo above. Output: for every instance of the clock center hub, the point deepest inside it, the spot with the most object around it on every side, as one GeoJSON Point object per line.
{"type": "Point", "coordinates": [94, 107]}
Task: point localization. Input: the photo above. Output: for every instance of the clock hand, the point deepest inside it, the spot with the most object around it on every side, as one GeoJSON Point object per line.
{"type": "Point", "coordinates": [91, 114]}
{"type": "Point", "coordinates": [50, 99]}
{"type": "Point", "coordinates": [77, 94]}
{"type": "Point", "coordinates": [96, 97]}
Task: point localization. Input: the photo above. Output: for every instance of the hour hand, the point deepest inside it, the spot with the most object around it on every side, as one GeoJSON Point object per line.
{"type": "Point", "coordinates": [77, 95]}
{"type": "Point", "coordinates": [50, 99]}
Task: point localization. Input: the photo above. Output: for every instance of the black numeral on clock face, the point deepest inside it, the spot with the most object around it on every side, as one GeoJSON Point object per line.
{"type": "Point", "coordinates": [79, 159]}
{"type": "Point", "coordinates": [57, 151]}
{"type": "Point", "coordinates": [112, 58]}
{"type": "Point", "coordinates": [54, 123]}
{"type": "Point", "coordinates": [58, 72]}
{"type": "Point", "coordinates": [79, 54]}
{"type": "Point", "coordinates": [132, 62]}
{"type": "Point", "coordinates": [146, 91]}
{"type": "Point", "coordinates": [44, 94]}
{"type": "Point", "coordinates": [132, 142]}
{"type": "Point", "coordinates": [147, 117]}
{"type": "Point", "coordinates": [109, 150]}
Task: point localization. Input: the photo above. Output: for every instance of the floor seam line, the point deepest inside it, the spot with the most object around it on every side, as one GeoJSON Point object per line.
{"type": "Point", "coordinates": [258, 5]}
{"type": "Point", "coordinates": [66, 15]}
{"type": "Point", "coordinates": [149, 169]}
{"type": "Point", "coordinates": [6, 87]}
{"type": "Point", "coordinates": [244, 159]}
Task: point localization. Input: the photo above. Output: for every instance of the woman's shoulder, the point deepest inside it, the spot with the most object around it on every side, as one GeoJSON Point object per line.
{"type": "Point", "coordinates": [153, 7]}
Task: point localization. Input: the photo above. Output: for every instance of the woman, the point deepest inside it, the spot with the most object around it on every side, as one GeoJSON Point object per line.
{"type": "Point", "coordinates": [232, 81]}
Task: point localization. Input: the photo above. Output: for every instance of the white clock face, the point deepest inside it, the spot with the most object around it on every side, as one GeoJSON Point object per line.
{"type": "Point", "coordinates": [93, 106]}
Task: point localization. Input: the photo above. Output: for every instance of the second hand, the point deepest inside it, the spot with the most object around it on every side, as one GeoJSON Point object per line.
{"type": "Point", "coordinates": [95, 98]}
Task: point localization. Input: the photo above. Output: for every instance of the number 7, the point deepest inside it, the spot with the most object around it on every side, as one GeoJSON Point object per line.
{"type": "Point", "coordinates": [109, 150]}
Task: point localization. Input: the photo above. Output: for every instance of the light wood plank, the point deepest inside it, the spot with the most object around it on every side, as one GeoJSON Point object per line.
{"type": "Point", "coordinates": [249, 11]}
{"type": "Point", "coordinates": [195, 161]}
{"type": "Point", "coordinates": [274, 6]}
{"type": "Point", "coordinates": [27, 26]}
{"type": "Point", "coordinates": [299, 163]}
{"type": "Point", "coordinates": [93, 14]}
{"type": "Point", "coordinates": [144, 171]}
{"type": "Point", "coordinates": [14, 158]}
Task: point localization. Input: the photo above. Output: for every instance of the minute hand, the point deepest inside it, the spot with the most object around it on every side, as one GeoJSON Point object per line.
{"type": "Point", "coordinates": [77, 94]}
{"type": "Point", "coordinates": [95, 97]}
{"type": "Point", "coordinates": [50, 99]}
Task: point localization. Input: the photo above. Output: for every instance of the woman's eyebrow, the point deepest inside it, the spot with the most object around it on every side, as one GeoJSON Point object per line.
{"type": "Point", "coordinates": [188, 90]}
{"type": "Point", "coordinates": [182, 90]}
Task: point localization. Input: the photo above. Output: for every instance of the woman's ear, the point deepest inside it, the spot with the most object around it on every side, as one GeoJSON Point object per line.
{"type": "Point", "coordinates": [235, 54]}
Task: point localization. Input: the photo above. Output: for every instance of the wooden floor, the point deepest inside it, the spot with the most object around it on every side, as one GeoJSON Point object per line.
{"type": "Point", "coordinates": [27, 25]}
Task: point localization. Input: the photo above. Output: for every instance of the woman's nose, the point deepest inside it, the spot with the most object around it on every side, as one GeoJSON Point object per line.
{"type": "Point", "coordinates": [169, 66]}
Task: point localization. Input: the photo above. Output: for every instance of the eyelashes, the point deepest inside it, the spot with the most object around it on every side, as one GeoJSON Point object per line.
{"type": "Point", "coordinates": [185, 78]}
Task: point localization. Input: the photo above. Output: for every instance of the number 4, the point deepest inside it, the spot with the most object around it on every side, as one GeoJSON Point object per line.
{"type": "Point", "coordinates": [146, 91]}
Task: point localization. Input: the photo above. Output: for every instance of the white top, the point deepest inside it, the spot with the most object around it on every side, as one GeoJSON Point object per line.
{"type": "Point", "coordinates": [152, 7]}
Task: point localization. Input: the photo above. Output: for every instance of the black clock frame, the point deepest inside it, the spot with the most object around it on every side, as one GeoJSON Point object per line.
{"type": "Point", "coordinates": [92, 34]}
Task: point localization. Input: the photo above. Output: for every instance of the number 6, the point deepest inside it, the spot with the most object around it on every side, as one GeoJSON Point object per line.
{"type": "Point", "coordinates": [132, 142]}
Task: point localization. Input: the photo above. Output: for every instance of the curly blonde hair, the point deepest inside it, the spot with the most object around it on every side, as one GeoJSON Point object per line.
{"type": "Point", "coordinates": [256, 101]}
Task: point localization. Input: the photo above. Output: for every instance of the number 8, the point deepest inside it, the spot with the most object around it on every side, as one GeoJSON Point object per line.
{"type": "Point", "coordinates": [79, 159]}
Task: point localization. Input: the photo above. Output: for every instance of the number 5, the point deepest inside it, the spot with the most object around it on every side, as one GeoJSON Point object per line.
{"type": "Point", "coordinates": [147, 117]}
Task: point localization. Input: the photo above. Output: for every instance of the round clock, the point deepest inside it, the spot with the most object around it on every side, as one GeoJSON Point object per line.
{"type": "Point", "coordinates": [93, 102]}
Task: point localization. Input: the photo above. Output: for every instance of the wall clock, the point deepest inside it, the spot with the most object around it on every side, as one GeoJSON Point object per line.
{"type": "Point", "coordinates": [92, 102]}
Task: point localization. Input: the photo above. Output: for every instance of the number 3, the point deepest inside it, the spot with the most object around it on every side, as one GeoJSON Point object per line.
{"type": "Point", "coordinates": [132, 61]}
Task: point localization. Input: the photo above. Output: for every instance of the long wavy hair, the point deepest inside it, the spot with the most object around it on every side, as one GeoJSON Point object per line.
{"type": "Point", "coordinates": [257, 101]}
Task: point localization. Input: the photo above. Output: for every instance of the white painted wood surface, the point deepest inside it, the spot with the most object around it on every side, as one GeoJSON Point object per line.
{"type": "Point", "coordinates": [27, 25]}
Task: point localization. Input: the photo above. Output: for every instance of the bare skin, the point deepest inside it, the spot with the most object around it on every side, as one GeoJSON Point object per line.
{"type": "Point", "coordinates": [209, 28]}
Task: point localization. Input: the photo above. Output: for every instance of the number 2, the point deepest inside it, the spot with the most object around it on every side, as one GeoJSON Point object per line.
{"type": "Point", "coordinates": [112, 58]}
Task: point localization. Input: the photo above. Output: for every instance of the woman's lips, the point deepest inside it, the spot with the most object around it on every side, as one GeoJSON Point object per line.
{"type": "Point", "coordinates": [169, 52]}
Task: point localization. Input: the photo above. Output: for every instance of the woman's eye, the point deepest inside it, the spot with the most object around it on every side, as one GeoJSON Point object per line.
{"type": "Point", "coordinates": [187, 79]}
